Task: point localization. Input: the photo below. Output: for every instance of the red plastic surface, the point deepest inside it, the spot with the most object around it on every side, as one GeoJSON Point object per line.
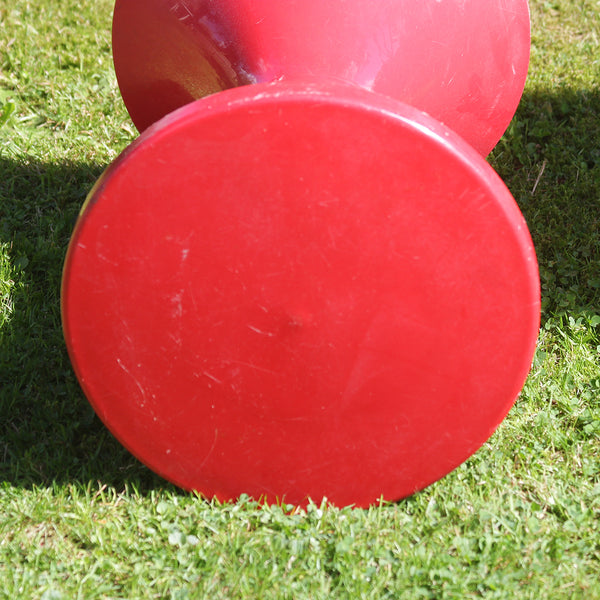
{"type": "Point", "coordinates": [293, 291]}
{"type": "Point", "coordinates": [462, 61]}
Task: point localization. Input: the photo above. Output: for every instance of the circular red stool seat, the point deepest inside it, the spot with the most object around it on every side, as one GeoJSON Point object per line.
{"type": "Point", "coordinates": [301, 290]}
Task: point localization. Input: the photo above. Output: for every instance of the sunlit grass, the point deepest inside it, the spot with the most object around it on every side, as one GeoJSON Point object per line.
{"type": "Point", "coordinates": [80, 518]}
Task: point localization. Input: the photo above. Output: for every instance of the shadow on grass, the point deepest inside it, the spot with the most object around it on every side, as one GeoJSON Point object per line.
{"type": "Point", "coordinates": [48, 431]}
{"type": "Point", "coordinates": [549, 158]}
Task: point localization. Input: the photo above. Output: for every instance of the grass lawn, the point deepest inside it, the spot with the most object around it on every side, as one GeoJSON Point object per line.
{"type": "Point", "coordinates": [81, 518]}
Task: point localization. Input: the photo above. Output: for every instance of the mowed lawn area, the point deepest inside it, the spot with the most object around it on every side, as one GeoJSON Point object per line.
{"type": "Point", "coordinates": [81, 518]}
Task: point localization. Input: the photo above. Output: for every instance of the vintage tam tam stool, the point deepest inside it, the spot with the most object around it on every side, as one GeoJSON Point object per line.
{"type": "Point", "coordinates": [301, 285]}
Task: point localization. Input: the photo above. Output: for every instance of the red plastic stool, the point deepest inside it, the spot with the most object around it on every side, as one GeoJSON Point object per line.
{"type": "Point", "coordinates": [301, 290]}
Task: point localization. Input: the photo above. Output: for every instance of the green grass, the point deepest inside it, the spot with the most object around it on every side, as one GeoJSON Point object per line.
{"type": "Point", "coordinates": [81, 518]}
